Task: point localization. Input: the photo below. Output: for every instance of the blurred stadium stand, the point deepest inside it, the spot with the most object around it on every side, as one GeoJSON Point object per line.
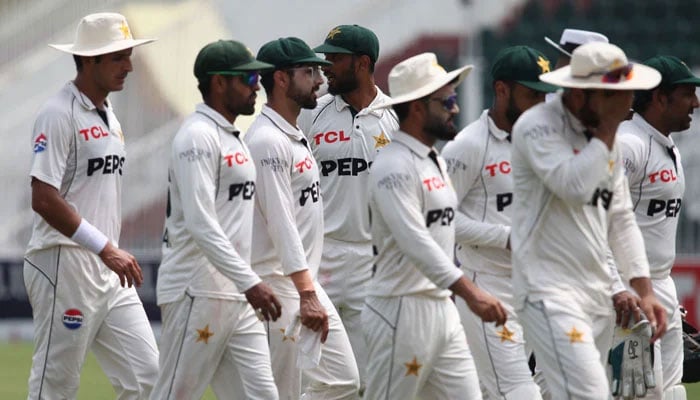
{"type": "Point", "coordinates": [162, 89]}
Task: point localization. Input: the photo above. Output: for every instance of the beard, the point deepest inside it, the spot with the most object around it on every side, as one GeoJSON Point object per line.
{"type": "Point", "coordinates": [344, 83]}
{"type": "Point", "coordinates": [588, 117]}
{"type": "Point", "coordinates": [246, 108]}
{"type": "Point", "coordinates": [441, 130]}
{"type": "Point", "coordinates": [305, 100]}
{"type": "Point", "coordinates": [512, 112]}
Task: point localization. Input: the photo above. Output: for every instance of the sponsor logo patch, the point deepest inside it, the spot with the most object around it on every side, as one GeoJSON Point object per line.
{"type": "Point", "coordinates": [73, 319]}
{"type": "Point", "coordinates": [40, 143]}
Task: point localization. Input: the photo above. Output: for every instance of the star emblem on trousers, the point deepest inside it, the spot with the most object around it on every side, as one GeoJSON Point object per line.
{"type": "Point", "coordinates": [575, 336]}
{"type": "Point", "coordinates": [505, 334]}
{"type": "Point", "coordinates": [412, 367]}
{"type": "Point", "coordinates": [380, 141]}
{"type": "Point", "coordinates": [203, 335]}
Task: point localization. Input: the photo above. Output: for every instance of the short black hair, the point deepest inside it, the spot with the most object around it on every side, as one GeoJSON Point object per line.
{"type": "Point", "coordinates": [79, 61]}
{"type": "Point", "coordinates": [642, 98]}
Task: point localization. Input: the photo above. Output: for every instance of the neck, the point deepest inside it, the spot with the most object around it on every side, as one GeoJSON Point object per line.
{"type": "Point", "coordinates": [500, 120]}
{"type": "Point", "coordinates": [657, 122]}
{"type": "Point", "coordinates": [413, 129]}
{"type": "Point", "coordinates": [96, 95]}
{"type": "Point", "coordinates": [361, 97]}
{"type": "Point", "coordinates": [230, 117]}
{"type": "Point", "coordinates": [285, 107]}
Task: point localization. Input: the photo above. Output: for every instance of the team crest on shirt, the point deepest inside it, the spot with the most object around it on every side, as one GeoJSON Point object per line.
{"type": "Point", "coordinates": [380, 141]}
{"type": "Point", "coordinates": [40, 143]}
{"type": "Point", "coordinates": [73, 319]}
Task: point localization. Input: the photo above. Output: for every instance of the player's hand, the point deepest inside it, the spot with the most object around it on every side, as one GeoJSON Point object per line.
{"type": "Point", "coordinates": [632, 361]}
{"type": "Point", "coordinates": [264, 302]}
{"type": "Point", "coordinates": [656, 314]}
{"type": "Point", "coordinates": [313, 314]}
{"type": "Point", "coordinates": [123, 264]}
{"type": "Point", "coordinates": [487, 307]}
{"type": "Point", "coordinates": [626, 308]}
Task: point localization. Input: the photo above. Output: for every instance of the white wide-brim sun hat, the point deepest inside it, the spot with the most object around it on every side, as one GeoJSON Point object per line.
{"type": "Point", "coordinates": [599, 65]}
{"type": "Point", "coordinates": [419, 76]}
{"type": "Point", "coordinates": [101, 33]}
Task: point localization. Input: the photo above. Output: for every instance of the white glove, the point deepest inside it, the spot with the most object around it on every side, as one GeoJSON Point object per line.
{"type": "Point", "coordinates": [632, 361]}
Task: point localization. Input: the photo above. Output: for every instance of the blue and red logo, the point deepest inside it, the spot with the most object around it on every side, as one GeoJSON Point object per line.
{"type": "Point", "coordinates": [73, 318]}
{"type": "Point", "coordinates": [40, 143]}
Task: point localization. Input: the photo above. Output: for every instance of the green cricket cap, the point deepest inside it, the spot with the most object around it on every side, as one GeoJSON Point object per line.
{"type": "Point", "coordinates": [524, 65]}
{"type": "Point", "coordinates": [673, 70]}
{"type": "Point", "coordinates": [351, 39]}
{"type": "Point", "coordinates": [226, 57]}
{"type": "Point", "coordinates": [285, 52]}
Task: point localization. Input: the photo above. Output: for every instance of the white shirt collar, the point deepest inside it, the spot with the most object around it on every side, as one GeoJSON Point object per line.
{"type": "Point", "coordinates": [219, 119]}
{"type": "Point", "coordinates": [282, 123]}
{"type": "Point", "coordinates": [493, 129]}
{"type": "Point", "coordinates": [413, 144]}
{"type": "Point", "coordinates": [645, 127]}
{"type": "Point", "coordinates": [373, 107]}
{"type": "Point", "coordinates": [83, 99]}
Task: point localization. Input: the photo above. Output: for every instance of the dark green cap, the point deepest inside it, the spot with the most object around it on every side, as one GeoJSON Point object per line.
{"type": "Point", "coordinates": [285, 52]}
{"type": "Point", "coordinates": [351, 39]}
{"type": "Point", "coordinates": [524, 65]}
{"type": "Point", "coordinates": [226, 57]}
{"type": "Point", "coordinates": [673, 71]}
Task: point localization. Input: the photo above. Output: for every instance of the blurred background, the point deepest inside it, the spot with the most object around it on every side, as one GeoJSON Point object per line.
{"type": "Point", "coordinates": [162, 89]}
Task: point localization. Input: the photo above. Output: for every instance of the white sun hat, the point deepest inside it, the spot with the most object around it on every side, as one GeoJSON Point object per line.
{"type": "Point", "coordinates": [572, 38]}
{"type": "Point", "coordinates": [101, 33]}
{"type": "Point", "coordinates": [600, 65]}
{"type": "Point", "coordinates": [419, 76]}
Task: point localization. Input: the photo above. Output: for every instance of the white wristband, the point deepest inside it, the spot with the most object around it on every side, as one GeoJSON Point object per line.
{"type": "Point", "coordinates": [90, 237]}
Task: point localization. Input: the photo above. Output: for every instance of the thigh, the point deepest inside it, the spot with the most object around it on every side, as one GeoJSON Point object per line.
{"type": "Point", "coordinates": [245, 365]}
{"type": "Point", "coordinates": [194, 335]}
{"type": "Point", "coordinates": [564, 342]}
{"type": "Point", "coordinates": [453, 372]}
{"type": "Point", "coordinates": [399, 348]}
{"type": "Point", "coordinates": [126, 349]}
{"type": "Point", "coordinates": [283, 350]}
{"type": "Point", "coordinates": [671, 350]}
{"type": "Point", "coordinates": [66, 317]}
{"type": "Point", "coordinates": [336, 375]}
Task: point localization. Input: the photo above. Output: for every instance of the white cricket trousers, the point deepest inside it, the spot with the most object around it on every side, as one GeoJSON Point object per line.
{"type": "Point", "coordinates": [500, 352]}
{"type": "Point", "coordinates": [417, 347]}
{"type": "Point", "coordinates": [571, 346]}
{"type": "Point", "coordinates": [78, 305]}
{"type": "Point", "coordinates": [336, 377]}
{"type": "Point", "coordinates": [213, 341]}
{"type": "Point", "coordinates": [345, 271]}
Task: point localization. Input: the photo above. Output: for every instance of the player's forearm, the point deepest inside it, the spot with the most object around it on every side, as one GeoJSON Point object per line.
{"type": "Point", "coordinates": [48, 203]}
{"type": "Point", "coordinates": [477, 233]}
{"type": "Point", "coordinates": [303, 281]}
{"type": "Point", "coordinates": [642, 286]}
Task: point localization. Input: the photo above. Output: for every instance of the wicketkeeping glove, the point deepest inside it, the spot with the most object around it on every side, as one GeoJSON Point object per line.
{"type": "Point", "coordinates": [632, 361]}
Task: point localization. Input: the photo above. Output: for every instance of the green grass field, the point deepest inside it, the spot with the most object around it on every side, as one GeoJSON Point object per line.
{"type": "Point", "coordinates": [15, 361]}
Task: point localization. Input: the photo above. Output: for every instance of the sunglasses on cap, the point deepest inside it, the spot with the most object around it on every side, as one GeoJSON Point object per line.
{"type": "Point", "coordinates": [250, 78]}
{"type": "Point", "coordinates": [616, 75]}
{"type": "Point", "coordinates": [448, 103]}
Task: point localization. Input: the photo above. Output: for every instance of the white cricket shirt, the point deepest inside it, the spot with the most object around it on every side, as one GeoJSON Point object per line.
{"type": "Point", "coordinates": [657, 183]}
{"type": "Point", "coordinates": [345, 147]}
{"type": "Point", "coordinates": [288, 228]}
{"type": "Point", "coordinates": [208, 229]}
{"type": "Point", "coordinates": [83, 158]}
{"type": "Point", "coordinates": [478, 162]}
{"type": "Point", "coordinates": [570, 200]}
{"type": "Point", "coordinates": [413, 207]}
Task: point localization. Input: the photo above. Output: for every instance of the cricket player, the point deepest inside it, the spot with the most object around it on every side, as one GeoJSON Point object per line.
{"type": "Point", "coordinates": [656, 182]}
{"type": "Point", "coordinates": [478, 162]}
{"type": "Point", "coordinates": [570, 203]}
{"type": "Point", "coordinates": [288, 232]}
{"type": "Point", "coordinates": [211, 334]}
{"type": "Point", "coordinates": [79, 283]}
{"type": "Point", "coordinates": [571, 39]}
{"type": "Point", "coordinates": [416, 344]}
{"type": "Point", "coordinates": [345, 132]}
